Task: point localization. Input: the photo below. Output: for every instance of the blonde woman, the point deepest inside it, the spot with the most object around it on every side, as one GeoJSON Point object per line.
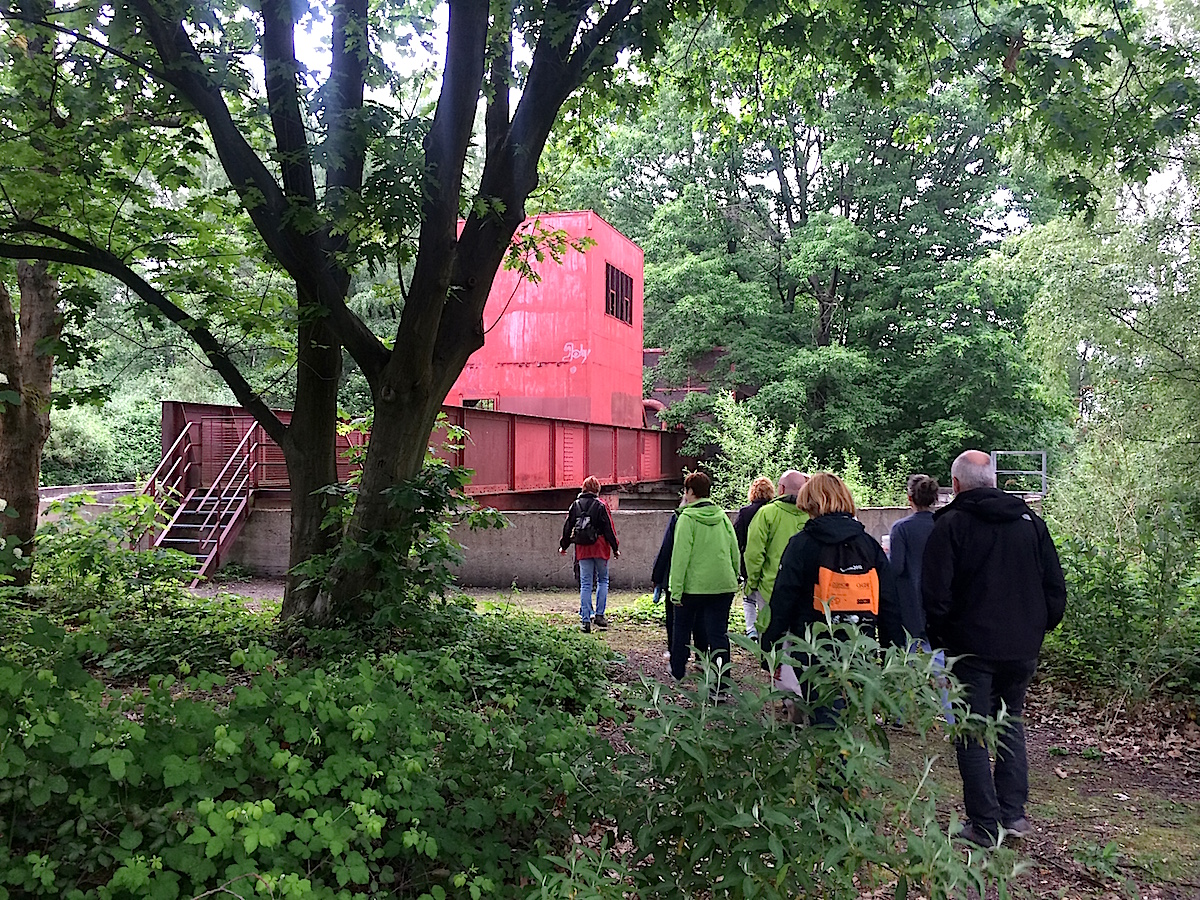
{"type": "Point", "coordinates": [798, 599]}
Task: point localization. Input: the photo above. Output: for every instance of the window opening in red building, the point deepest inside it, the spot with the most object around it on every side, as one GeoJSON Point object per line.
{"type": "Point", "coordinates": [486, 403]}
{"type": "Point", "coordinates": [618, 294]}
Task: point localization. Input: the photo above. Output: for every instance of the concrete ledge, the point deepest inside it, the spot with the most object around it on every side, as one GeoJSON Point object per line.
{"type": "Point", "coordinates": [526, 553]}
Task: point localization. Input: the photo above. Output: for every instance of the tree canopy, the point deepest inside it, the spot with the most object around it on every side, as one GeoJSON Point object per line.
{"type": "Point", "coordinates": [237, 187]}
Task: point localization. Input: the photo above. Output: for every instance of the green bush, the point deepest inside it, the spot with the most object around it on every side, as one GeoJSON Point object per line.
{"type": "Point", "coordinates": [417, 774]}
{"type": "Point", "coordinates": [118, 441]}
{"type": "Point", "coordinates": [727, 800]}
{"type": "Point", "coordinates": [1132, 623]}
{"type": "Point", "coordinates": [87, 580]}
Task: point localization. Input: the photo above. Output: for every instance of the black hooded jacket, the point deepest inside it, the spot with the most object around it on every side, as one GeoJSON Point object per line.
{"type": "Point", "coordinates": [792, 597]}
{"type": "Point", "coordinates": [991, 581]}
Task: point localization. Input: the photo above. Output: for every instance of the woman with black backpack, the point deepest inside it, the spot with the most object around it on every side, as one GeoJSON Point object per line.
{"type": "Point", "coordinates": [589, 527]}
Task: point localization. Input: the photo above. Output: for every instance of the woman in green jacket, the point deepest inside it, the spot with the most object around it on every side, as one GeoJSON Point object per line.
{"type": "Point", "coordinates": [704, 574]}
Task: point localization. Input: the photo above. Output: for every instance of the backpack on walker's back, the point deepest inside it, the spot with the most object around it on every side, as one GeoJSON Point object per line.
{"type": "Point", "coordinates": [847, 587]}
{"type": "Point", "coordinates": [585, 531]}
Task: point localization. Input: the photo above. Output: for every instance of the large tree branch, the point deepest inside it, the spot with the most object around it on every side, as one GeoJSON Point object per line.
{"type": "Point", "coordinates": [87, 256]}
{"type": "Point", "coordinates": [510, 172]}
{"type": "Point", "coordinates": [183, 66]}
{"type": "Point", "coordinates": [301, 254]}
{"type": "Point", "coordinates": [496, 119]}
{"type": "Point", "coordinates": [282, 72]}
{"type": "Point", "coordinates": [445, 152]}
{"type": "Point", "coordinates": [346, 140]}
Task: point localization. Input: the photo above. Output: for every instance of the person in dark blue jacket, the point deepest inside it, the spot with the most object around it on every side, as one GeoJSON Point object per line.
{"type": "Point", "coordinates": [906, 551]}
{"type": "Point", "coordinates": [908, 538]}
{"type": "Point", "coordinates": [659, 577]}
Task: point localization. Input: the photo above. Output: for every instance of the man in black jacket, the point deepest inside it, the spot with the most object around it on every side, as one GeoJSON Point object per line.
{"type": "Point", "coordinates": [992, 587]}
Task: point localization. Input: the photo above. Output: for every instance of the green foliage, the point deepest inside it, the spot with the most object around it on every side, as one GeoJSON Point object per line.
{"type": "Point", "coordinates": [729, 800]}
{"type": "Point", "coordinates": [746, 446]}
{"type": "Point", "coordinates": [1133, 621]}
{"type": "Point", "coordinates": [415, 559]}
{"type": "Point", "coordinates": [460, 769]}
{"type": "Point", "coordinates": [435, 772]}
{"type": "Point", "coordinates": [130, 608]}
{"type": "Point", "coordinates": [91, 556]}
{"type": "Point", "coordinates": [119, 441]}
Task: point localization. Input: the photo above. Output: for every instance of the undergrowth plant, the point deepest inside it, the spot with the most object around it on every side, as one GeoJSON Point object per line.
{"type": "Point", "coordinates": [434, 772]}
{"type": "Point", "coordinates": [415, 562]}
{"type": "Point", "coordinates": [1131, 621]}
{"type": "Point", "coordinates": [91, 578]}
{"type": "Point", "coordinates": [727, 800]}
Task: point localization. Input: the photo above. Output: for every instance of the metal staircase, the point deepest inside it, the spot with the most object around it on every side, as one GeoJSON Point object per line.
{"type": "Point", "coordinates": [206, 520]}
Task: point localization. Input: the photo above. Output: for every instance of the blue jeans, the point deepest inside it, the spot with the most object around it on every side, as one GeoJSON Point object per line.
{"type": "Point", "coordinates": [592, 571]}
{"type": "Point", "coordinates": [998, 797]}
{"type": "Point", "coordinates": [920, 645]}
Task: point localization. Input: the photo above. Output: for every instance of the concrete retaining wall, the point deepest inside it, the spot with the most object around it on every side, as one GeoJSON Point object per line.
{"type": "Point", "coordinates": [525, 553]}
{"type": "Point", "coordinates": [262, 547]}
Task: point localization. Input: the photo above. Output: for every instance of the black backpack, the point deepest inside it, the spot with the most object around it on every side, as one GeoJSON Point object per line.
{"type": "Point", "coordinates": [585, 531]}
{"type": "Point", "coordinates": [848, 584]}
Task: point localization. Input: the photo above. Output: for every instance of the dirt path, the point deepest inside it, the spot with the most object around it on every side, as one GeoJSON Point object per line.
{"type": "Point", "coordinates": [1114, 795]}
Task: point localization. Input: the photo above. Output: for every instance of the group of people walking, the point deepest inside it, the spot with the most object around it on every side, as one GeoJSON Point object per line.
{"type": "Point", "coordinates": [977, 581]}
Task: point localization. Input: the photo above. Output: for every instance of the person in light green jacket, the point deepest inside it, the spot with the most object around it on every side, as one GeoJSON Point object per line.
{"type": "Point", "coordinates": [770, 530]}
{"type": "Point", "coordinates": [704, 574]}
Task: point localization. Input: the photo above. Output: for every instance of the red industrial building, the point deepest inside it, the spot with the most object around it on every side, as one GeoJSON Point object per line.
{"type": "Point", "coordinates": [568, 345]}
{"type": "Point", "coordinates": [554, 395]}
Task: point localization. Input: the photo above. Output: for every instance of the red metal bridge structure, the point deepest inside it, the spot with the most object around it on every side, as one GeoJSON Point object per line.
{"type": "Point", "coordinates": [218, 464]}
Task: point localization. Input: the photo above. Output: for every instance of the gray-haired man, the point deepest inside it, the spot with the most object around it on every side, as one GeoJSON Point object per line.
{"type": "Point", "coordinates": [992, 587]}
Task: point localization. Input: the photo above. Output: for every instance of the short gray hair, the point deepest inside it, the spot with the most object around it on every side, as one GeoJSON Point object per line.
{"type": "Point", "coordinates": [974, 469]}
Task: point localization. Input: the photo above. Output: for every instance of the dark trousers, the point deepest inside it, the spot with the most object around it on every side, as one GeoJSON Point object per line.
{"type": "Point", "coordinates": [698, 637]}
{"type": "Point", "coordinates": [999, 797]}
{"type": "Point", "coordinates": [706, 616]}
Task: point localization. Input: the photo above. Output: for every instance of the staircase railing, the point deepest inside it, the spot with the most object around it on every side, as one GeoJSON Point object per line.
{"type": "Point", "coordinates": [229, 493]}
{"type": "Point", "coordinates": [168, 482]}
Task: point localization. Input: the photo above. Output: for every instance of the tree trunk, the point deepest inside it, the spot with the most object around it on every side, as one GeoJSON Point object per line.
{"type": "Point", "coordinates": [25, 413]}
{"type": "Point", "coordinates": [826, 304]}
{"type": "Point", "coordinates": [310, 449]}
{"type": "Point", "coordinates": [399, 438]}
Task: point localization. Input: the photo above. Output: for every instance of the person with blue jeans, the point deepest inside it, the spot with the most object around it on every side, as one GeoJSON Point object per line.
{"type": "Point", "coordinates": [589, 527]}
{"type": "Point", "coordinates": [992, 587]}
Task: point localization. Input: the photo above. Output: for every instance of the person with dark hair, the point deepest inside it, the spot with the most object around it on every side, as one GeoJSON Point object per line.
{"type": "Point", "coordinates": [703, 574]}
{"type": "Point", "coordinates": [659, 578]}
{"type": "Point", "coordinates": [906, 550]}
{"type": "Point", "coordinates": [908, 537]}
{"type": "Point", "coordinates": [589, 527]}
{"type": "Point", "coordinates": [992, 587]}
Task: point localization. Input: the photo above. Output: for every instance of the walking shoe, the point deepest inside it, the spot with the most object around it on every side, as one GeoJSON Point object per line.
{"type": "Point", "coordinates": [976, 836]}
{"type": "Point", "coordinates": [600, 622]}
{"type": "Point", "coordinates": [586, 627]}
{"type": "Point", "coordinates": [1019, 828]}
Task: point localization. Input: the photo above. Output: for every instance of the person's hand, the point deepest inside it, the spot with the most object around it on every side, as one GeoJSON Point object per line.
{"type": "Point", "coordinates": [616, 554]}
{"type": "Point", "coordinates": [562, 552]}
